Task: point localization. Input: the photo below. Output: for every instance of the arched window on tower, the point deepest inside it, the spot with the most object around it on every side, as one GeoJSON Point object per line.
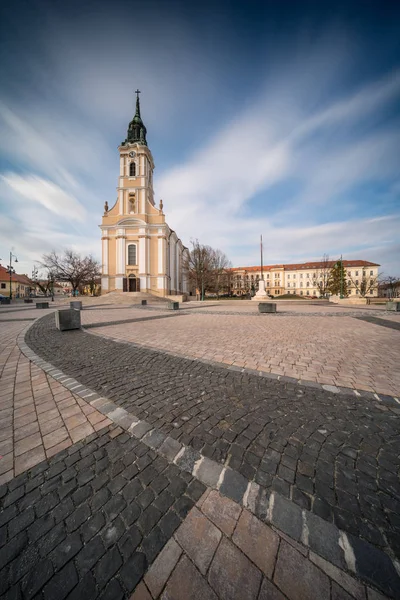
{"type": "Point", "coordinates": [132, 169]}
{"type": "Point", "coordinates": [132, 254]}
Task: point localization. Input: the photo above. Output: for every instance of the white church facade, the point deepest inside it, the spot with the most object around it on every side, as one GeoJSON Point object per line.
{"type": "Point", "coordinates": [140, 252]}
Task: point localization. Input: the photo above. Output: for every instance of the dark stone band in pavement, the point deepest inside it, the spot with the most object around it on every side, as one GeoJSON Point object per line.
{"type": "Point", "coordinates": [381, 322]}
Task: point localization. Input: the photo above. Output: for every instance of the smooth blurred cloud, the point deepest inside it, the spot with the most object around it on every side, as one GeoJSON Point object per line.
{"type": "Point", "coordinates": [238, 105]}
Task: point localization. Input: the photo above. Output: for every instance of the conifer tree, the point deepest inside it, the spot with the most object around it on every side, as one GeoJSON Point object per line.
{"type": "Point", "coordinates": [337, 284]}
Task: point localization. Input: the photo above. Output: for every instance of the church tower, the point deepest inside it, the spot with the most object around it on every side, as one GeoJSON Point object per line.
{"type": "Point", "coordinates": [140, 253]}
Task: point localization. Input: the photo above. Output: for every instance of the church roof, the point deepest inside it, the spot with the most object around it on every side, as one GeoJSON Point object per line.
{"type": "Point", "coordinates": [136, 129]}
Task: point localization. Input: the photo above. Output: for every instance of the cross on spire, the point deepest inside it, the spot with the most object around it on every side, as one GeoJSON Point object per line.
{"type": "Point", "coordinates": [137, 92]}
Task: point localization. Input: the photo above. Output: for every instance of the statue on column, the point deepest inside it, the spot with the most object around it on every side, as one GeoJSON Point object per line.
{"type": "Point", "coordinates": [161, 206]}
{"type": "Point", "coordinates": [105, 207]}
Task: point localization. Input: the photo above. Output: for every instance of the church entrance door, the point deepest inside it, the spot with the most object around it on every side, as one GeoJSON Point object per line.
{"type": "Point", "coordinates": [134, 284]}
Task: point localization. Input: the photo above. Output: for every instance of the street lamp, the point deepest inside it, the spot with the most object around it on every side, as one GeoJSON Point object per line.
{"type": "Point", "coordinates": [11, 270]}
{"type": "Point", "coordinates": [34, 278]}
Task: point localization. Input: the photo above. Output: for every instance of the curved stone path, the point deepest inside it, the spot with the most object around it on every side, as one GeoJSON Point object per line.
{"type": "Point", "coordinates": [336, 455]}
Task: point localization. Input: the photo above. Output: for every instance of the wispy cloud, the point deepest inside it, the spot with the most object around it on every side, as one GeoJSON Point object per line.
{"type": "Point", "coordinates": [46, 193]}
{"type": "Point", "coordinates": [230, 120]}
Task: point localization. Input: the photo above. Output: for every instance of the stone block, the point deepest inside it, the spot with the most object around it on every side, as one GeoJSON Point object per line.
{"type": "Point", "coordinates": [173, 305]}
{"type": "Point", "coordinates": [232, 575]}
{"type": "Point", "coordinates": [68, 319]}
{"type": "Point", "coordinates": [42, 305]}
{"type": "Point", "coordinates": [267, 307]}
{"type": "Point", "coordinates": [199, 538]}
{"type": "Point", "coordinates": [262, 553]}
{"type": "Point", "coordinates": [298, 577]}
{"type": "Point", "coordinates": [76, 304]}
{"type": "Point", "coordinates": [186, 582]}
{"type": "Point", "coordinates": [162, 567]}
{"type": "Point", "coordinates": [28, 300]}
{"type": "Point", "coordinates": [393, 306]}
{"type": "Point", "coordinates": [143, 302]}
{"type": "Point", "coordinates": [222, 511]}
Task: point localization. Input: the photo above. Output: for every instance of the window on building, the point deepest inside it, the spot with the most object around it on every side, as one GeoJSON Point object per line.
{"type": "Point", "coordinates": [308, 284]}
{"type": "Point", "coordinates": [349, 273]}
{"type": "Point", "coordinates": [308, 275]}
{"type": "Point", "coordinates": [132, 169]}
{"type": "Point", "coordinates": [349, 282]}
{"type": "Point", "coordinates": [371, 272]}
{"type": "Point", "coordinates": [364, 273]}
{"type": "Point", "coordinates": [294, 276]}
{"type": "Point", "coordinates": [301, 284]}
{"type": "Point", "coordinates": [288, 284]}
{"type": "Point", "coordinates": [3, 286]}
{"type": "Point", "coordinates": [356, 281]}
{"type": "Point", "coordinates": [356, 273]}
{"type": "Point", "coordinates": [288, 276]}
{"type": "Point", "coordinates": [308, 293]}
{"type": "Point", "coordinates": [301, 275]}
{"type": "Point", "coordinates": [356, 291]}
{"type": "Point", "coordinates": [301, 292]}
{"type": "Point", "coordinates": [132, 254]}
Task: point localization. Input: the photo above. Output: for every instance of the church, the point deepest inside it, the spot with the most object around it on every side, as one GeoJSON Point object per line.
{"type": "Point", "coordinates": [140, 252]}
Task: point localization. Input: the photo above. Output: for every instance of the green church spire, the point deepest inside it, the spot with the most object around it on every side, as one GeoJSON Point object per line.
{"type": "Point", "coordinates": [136, 130]}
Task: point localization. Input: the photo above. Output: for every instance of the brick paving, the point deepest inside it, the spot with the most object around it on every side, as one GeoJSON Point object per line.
{"type": "Point", "coordinates": [336, 455]}
{"type": "Point", "coordinates": [38, 416]}
{"type": "Point", "coordinates": [105, 517]}
{"type": "Point", "coordinates": [339, 350]}
{"type": "Point", "coordinates": [217, 558]}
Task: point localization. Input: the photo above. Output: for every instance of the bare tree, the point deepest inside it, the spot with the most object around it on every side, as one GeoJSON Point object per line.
{"type": "Point", "coordinates": [220, 274]}
{"type": "Point", "coordinates": [72, 267]}
{"type": "Point", "coordinates": [322, 275]}
{"type": "Point", "coordinates": [206, 268]}
{"type": "Point", "coordinates": [391, 285]}
{"type": "Point", "coordinates": [365, 284]}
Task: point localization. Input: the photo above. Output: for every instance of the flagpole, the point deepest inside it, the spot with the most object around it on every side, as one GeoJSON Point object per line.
{"type": "Point", "coordinates": [261, 248]}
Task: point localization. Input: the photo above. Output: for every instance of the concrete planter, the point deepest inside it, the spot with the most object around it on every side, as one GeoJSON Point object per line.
{"type": "Point", "coordinates": [42, 305]}
{"type": "Point", "coordinates": [144, 302]}
{"type": "Point", "coordinates": [5, 301]}
{"type": "Point", "coordinates": [173, 305]}
{"type": "Point", "coordinates": [393, 306]}
{"type": "Point", "coordinates": [77, 304]}
{"type": "Point", "coordinates": [267, 307]}
{"type": "Point", "coordinates": [68, 319]}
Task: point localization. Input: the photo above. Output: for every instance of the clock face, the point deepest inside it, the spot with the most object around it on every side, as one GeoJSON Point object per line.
{"type": "Point", "coordinates": [132, 154]}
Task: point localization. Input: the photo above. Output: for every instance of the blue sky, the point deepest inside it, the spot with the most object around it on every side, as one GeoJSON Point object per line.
{"type": "Point", "coordinates": [273, 118]}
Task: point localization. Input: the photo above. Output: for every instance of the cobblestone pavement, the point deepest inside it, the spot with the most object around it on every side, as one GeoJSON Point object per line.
{"type": "Point", "coordinates": [341, 351]}
{"type": "Point", "coordinates": [90, 520]}
{"type": "Point", "coordinates": [337, 455]}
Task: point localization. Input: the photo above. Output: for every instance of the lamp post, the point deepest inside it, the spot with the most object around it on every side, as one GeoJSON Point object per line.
{"type": "Point", "coordinates": [11, 270]}
{"type": "Point", "coordinates": [341, 277]}
{"type": "Point", "coordinates": [34, 277]}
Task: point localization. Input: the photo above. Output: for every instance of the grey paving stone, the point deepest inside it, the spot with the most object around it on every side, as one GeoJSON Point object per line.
{"type": "Point", "coordinates": [375, 566]}
{"type": "Point", "coordinates": [323, 538]}
{"type": "Point", "coordinates": [62, 583]}
{"type": "Point", "coordinates": [287, 517]}
{"type": "Point", "coordinates": [233, 485]}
